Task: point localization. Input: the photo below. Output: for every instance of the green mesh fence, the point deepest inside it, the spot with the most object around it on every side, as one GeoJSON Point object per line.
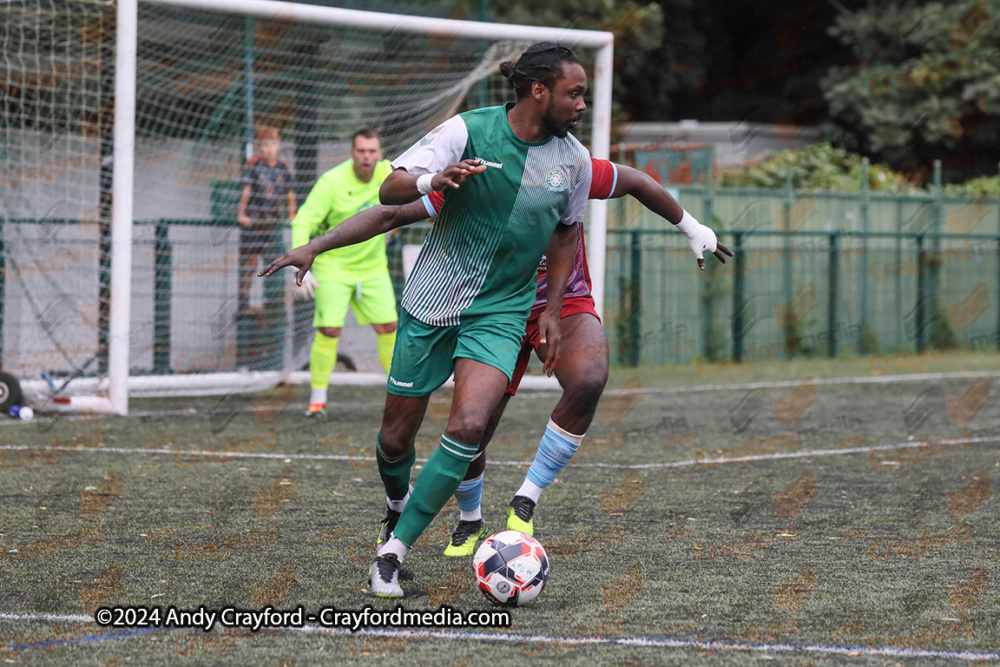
{"type": "Point", "coordinates": [816, 274]}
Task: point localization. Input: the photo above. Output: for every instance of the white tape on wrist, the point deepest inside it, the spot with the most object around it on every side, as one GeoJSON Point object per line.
{"type": "Point", "coordinates": [700, 237]}
{"type": "Point", "coordinates": [688, 224]}
{"type": "Point", "coordinates": [424, 183]}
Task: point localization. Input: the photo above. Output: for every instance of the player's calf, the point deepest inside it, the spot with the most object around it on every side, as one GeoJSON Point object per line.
{"type": "Point", "coordinates": [556, 449]}
{"type": "Point", "coordinates": [471, 527]}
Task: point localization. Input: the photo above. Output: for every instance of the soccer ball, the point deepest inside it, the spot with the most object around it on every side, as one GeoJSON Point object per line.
{"type": "Point", "coordinates": [511, 568]}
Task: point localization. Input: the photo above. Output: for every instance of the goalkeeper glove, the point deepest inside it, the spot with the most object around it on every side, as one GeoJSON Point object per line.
{"type": "Point", "coordinates": [700, 237]}
{"type": "Point", "coordinates": [307, 290]}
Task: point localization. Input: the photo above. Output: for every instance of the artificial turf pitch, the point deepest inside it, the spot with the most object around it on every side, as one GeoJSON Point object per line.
{"type": "Point", "coordinates": [874, 551]}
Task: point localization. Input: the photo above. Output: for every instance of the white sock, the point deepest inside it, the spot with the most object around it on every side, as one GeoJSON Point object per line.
{"type": "Point", "coordinates": [398, 505]}
{"type": "Point", "coordinates": [317, 396]}
{"type": "Point", "coordinates": [530, 490]}
{"type": "Point", "coordinates": [394, 545]}
{"type": "Point", "coordinates": [474, 515]}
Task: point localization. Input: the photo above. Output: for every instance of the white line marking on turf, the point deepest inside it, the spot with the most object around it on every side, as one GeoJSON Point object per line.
{"type": "Point", "coordinates": [46, 617]}
{"type": "Point", "coordinates": [527, 639]}
{"type": "Point", "coordinates": [863, 379]}
{"type": "Point", "coordinates": [639, 466]}
{"type": "Point", "coordinates": [713, 645]}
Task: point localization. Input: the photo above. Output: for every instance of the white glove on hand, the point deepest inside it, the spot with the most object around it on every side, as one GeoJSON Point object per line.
{"type": "Point", "coordinates": [700, 237]}
{"type": "Point", "coordinates": [307, 291]}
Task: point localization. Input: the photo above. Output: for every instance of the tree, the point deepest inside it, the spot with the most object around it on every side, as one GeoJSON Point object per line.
{"type": "Point", "coordinates": [929, 86]}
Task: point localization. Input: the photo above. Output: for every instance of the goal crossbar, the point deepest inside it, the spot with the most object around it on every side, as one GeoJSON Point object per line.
{"type": "Point", "coordinates": [356, 18]}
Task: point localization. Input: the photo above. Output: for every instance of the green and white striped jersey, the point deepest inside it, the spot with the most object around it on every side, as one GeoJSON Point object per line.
{"type": "Point", "coordinates": [481, 256]}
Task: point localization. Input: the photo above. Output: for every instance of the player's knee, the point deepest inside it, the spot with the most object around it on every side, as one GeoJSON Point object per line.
{"type": "Point", "coordinates": [394, 445]}
{"type": "Point", "coordinates": [329, 332]}
{"type": "Point", "coordinates": [587, 389]}
{"type": "Point", "coordinates": [466, 427]}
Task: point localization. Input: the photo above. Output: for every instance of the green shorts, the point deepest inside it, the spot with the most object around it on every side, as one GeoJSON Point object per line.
{"type": "Point", "coordinates": [424, 356]}
{"type": "Point", "coordinates": [372, 298]}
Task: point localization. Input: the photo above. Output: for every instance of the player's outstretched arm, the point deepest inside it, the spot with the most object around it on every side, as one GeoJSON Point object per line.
{"type": "Point", "coordinates": [402, 187]}
{"type": "Point", "coordinates": [653, 196]}
{"type": "Point", "coordinates": [362, 226]}
{"type": "Point", "coordinates": [560, 256]}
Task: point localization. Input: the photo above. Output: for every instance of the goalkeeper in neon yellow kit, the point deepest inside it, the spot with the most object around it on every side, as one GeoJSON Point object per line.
{"type": "Point", "coordinates": [357, 275]}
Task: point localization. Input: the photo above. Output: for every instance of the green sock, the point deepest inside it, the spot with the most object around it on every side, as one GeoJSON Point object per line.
{"type": "Point", "coordinates": [395, 473]}
{"type": "Point", "coordinates": [385, 344]}
{"type": "Point", "coordinates": [322, 359]}
{"type": "Point", "coordinates": [435, 485]}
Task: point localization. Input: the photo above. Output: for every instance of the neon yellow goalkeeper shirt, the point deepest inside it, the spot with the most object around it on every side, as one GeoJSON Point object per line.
{"type": "Point", "coordinates": [337, 195]}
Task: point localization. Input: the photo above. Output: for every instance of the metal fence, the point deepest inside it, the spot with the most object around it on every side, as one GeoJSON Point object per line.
{"type": "Point", "coordinates": [815, 274]}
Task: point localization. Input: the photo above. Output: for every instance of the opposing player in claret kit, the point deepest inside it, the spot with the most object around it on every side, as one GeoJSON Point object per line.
{"type": "Point", "coordinates": [579, 382]}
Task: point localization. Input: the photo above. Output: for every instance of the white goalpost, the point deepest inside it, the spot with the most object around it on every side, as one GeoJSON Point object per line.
{"type": "Point", "coordinates": [120, 256]}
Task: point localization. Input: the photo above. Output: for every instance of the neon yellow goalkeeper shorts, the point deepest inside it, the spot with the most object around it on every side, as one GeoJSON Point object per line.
{"type": "Point", "coordinates": [371, 297]}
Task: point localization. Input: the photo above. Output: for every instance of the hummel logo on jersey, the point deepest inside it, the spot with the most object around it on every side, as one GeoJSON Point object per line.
{"type": "Point", "coordinates": [398, 383]}
{"type": "Point", "coordinates": [498, 165]}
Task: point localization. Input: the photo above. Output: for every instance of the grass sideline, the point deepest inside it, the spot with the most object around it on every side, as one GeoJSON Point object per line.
{"type": "Point", "coordinates": [855, 554]}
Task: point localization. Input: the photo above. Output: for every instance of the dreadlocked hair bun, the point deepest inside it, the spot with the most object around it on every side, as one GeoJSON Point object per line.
{"type": "Point", "coordinates": [507, 69]}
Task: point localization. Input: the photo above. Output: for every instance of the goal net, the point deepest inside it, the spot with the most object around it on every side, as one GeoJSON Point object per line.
{"type": "Point", "coordinates": [207, 74]}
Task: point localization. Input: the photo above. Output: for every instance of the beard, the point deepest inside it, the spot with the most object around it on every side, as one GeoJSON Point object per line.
{"type": "Point", "coordinates": [552, 125]}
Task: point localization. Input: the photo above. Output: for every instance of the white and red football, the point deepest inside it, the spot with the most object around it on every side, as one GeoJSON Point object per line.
{"type": "Point", "coordinates": [511, 568]}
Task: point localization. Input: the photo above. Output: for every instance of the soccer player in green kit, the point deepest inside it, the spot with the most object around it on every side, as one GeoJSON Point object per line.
{"type": "Point", "coordinates": [357, 275]}
{"type": "Point", "coordinates": [472, 296]}
{"type": "Point", "coordinates": [516, 185]}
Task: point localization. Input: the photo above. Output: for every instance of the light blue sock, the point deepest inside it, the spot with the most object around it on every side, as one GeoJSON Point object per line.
{"type": "Point", "coordinates": [556, 449]}
{"type": "Point", "coordinates": [469, 495]}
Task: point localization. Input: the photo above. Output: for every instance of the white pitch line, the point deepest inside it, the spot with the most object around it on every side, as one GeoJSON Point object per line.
{"type": "Point", "coordinates": [864, 379]}
{"type": "Point", "coordinates": [46, 617]}
{"type": "Point", "coordinates": [789, 455]}
{"type": "Point", "coordinates": [633, 466]}
{"type": "Point", "coordinates": [657, 642]}
{"type": "Point", "coordinates": [647, 642]}
{"type": "Point", "coordinates": [187, 412]}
